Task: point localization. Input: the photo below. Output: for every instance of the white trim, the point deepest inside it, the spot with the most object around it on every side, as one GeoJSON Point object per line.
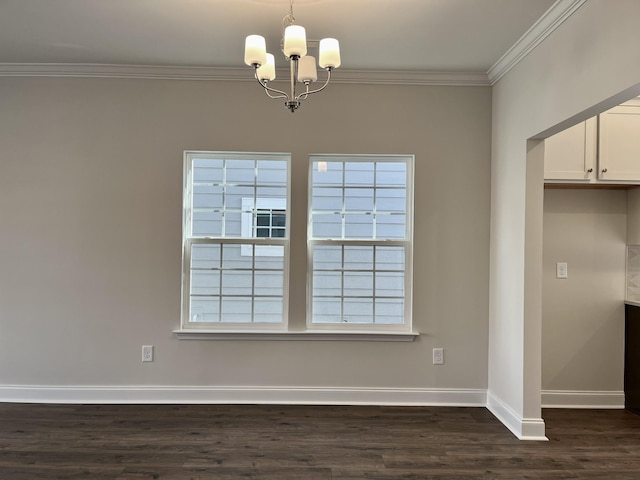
{"type": "Point", "coordinates": [353, 335]}
{"type": "Point", "coordinates": [376, 77]}
{"type": "Point", "coordinates": [582, 399]}
{"type": "Point", "coordinates": [552, 19]}
{"type": "Point", "coordinates": [243, 395]}
{"type": "Point", "coordinates": [523, 428]}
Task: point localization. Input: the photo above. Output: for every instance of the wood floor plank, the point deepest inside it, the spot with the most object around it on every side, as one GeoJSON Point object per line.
{"type": "Point", "coordinates": [268, 442]}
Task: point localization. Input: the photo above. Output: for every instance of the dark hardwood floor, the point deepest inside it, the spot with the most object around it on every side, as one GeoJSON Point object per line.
{"type": "Point", "coordinates": [126, 442]}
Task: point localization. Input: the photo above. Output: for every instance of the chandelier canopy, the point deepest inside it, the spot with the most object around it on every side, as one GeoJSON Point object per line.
{"type": "Point", "coordinates": [302, 66]}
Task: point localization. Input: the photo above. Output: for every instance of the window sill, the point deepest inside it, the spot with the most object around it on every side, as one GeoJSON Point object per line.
{"type": "Point", "coordinates": [331, 335]}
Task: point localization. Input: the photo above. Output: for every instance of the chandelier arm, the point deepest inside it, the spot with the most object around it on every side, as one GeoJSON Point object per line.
{"type": "Point", "coordinates": [280, 94]}
{"type": "Point", "coordinates": [304, 95]}
{"type": "Point", "coordinates": [267, 89]}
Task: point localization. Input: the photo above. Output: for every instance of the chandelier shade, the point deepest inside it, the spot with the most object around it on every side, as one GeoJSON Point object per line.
{"type": "Point", "coordinates": [295, 41]}
{"type": "Point", "coordinates": [267, 71]}
{"type": "Point", "coordinates": [255, 50]}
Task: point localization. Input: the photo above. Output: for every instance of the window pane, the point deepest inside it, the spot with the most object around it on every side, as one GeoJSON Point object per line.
{"type": "Point", "coordinates": [358, 173]}
{"type": "Point", "coordinates": [327, 284]}
{"type": "Point", "coordinates": [235, 256]}
{"type": "Point", "coordinates": [333, 174]}
{"type": "Point", "coordinates": [207, 170]}
{"type": "Point", "coordinates": [327, 225]}
{"type": "Point", "coordinates": [327, 310]}
{"type": "Point", "coordinates": [269, 257]}
{"type": "Point", "coordinates": [391, 226]}
{"type": "Point", "coordinates": [268, 283]}
{"type": "Point", "coordinates": [236, 309]}
{"type": "Point", "coordinates": [236, 282]}
{"type": "Point", "coordinates": [205, 282]}
{"type": "Point", "coordinates": [358, 200]}
{"type": "Point", "coordinates": [390, 284]}
{"type": "Point", "coordinates": [327, 199]}
{"type": "Point", "coordinates": [391, 173]}
{"type": "Point", "coordinates": [389, 311]}
{"type": "Point", "coordinates": [358, 284]}
{"type": "Point", "coordinates": [389, 258]}
{"type": "Point", "coordinates": [204, 309]}
{"type": "Point", "coordinates": [275, 193]}
{"type": "Point", "coordinates": [207, 224]}
{"type": "Point", "coordinates": [207, 196]}
{"type": "Point", "coordinates": [358, 258]}
{"type": "Point", "coordinates": [267, 310]}
{"type": "Point", "coordinates": [205, 256]}
{"type": "Point", "coordinates": [235, 194]}
{"type": "Point", "coordinates": [272, 172]}
{"type": "Point", "coordinates": [391, 200]}
{"type": "Point", "coordinates": [327, 258]}
{"type": "Point", "coordinates": [358, 226]}
{"type": "Point", "coordinates": [241, 171]}
{"type": "Point", "coordinates": [358, 310]}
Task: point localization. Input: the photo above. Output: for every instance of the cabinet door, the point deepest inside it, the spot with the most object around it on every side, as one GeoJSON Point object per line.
{"type": "Point", "coordinates": [571, 154]}
{"type": "Point", "coordinates": [619, 153]}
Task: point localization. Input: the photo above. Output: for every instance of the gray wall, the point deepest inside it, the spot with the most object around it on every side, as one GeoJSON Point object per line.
{"type": "Point", "coordinates": [90, 229]}
{"type": "Point", "coordinates": [583, 315]}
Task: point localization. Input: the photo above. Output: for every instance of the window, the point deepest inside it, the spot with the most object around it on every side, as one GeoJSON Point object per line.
{"type": "Point", "coordinates": [359, 241]}
{"type": "Point", "coordinates": [235, 240]}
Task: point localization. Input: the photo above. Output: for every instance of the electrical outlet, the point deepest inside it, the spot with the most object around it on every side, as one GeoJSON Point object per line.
{"type": "Point", "coordinates": [438, 356]}
{"type": "Point", "coordinates": [147, 353]}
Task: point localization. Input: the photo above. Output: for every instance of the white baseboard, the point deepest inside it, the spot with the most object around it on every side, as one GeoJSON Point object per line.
{"type": "Point", "coordinates": [582, 399]}
{"type": "Point", "coordinates": [523, 428]}
{"type": "Point", "coordinates": [242, 395]}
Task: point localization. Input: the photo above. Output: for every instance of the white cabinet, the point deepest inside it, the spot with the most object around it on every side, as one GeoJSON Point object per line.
{"type": "Point", "coordinates": [571, 154]}
{"type": "Point", "coordinates": [603, 150]}
{"type": "Point", "coordinates": [619, 149]}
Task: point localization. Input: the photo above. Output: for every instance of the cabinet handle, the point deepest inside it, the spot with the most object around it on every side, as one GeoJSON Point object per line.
{"type": "Point", "coordinates": [604, 170]}
{"type": "Point", "coordinates": [590, 170]}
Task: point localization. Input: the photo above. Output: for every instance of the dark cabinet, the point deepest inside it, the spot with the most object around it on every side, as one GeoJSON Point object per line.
{"type": "Point", "coordinates": [632, 358]}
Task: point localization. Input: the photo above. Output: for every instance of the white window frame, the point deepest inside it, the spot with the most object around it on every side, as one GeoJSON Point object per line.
{"type": "Point", "coordinates": [407, 243]}
{"type": "Point", "coordinates": [188, 240]}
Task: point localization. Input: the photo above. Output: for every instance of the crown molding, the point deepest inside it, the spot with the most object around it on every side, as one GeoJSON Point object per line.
{"type": "Point", "coordinates": [552, 19]}
{"type": "Point", "coordinates": [375, 77]}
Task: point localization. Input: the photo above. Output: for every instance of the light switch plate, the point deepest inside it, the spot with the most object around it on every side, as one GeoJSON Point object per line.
{"type": "Point", "coordinates": [561, 270]}
{"type": "Point", "coordinates": [438, 356]}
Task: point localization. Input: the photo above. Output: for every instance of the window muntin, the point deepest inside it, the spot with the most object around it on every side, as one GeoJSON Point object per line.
{"type": "Point", "coordinates": [360, 231]}
{"type": "Point", "coordinates": [233, 276]}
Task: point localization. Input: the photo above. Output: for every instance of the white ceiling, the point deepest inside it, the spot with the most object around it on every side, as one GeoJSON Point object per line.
{"type": "Point", "coordinates": [415, 35]}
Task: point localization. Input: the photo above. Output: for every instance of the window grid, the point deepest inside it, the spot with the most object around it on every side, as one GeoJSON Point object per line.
{"type": "Point", "coordinates": [374, 285]}
{"type": "Point", "coordinates": [376, 241]}
{"type": "Point", "coordinates": [220, 269]}
{"type": "Point", "coordinates": [220, 287]}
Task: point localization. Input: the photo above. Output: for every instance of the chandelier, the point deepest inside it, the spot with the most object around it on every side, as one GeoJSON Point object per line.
{"type": "Point", "coordinates": [302, 67]}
